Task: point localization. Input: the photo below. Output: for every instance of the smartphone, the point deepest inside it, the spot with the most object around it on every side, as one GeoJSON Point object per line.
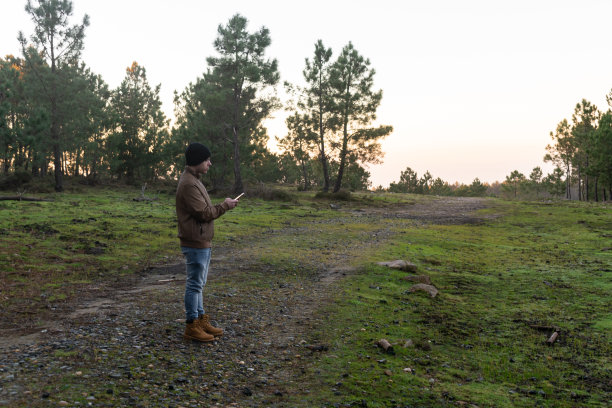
{"type": "Point", "coordinates": [238, 198]}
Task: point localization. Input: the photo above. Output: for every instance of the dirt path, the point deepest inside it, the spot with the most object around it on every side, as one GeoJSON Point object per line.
{"type": "Point", "coordinates": [121, 344]}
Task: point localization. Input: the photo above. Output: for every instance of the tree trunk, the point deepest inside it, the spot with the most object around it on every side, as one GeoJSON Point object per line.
{"type": "Point", "coordinates": [6, 160]}
{"type": "Point", "coordinates": [77, 162]}
{"type": "Point", "coordinates": [596, 191]}
{"type": "Point", "coordinates": [568, 184]}
{"type": "Point", "coordinates": [586, 178]}
{"type": "Point", "coordinates": [325, 168]}
{"type": "Point", "coordinates": [305, 175]}
{"type": "Point", "coordinates": [57, 163]}
{"type": "Point", "coordinates": [55, 133]}
{"type": "Point", "coordinates": [579, 185]}
{"type": "Point", "coordinates": [238, 187]}
{"type": "Point", "coordinates": [322, 147]}
{"type": "Point", "coordinates": [343, 154]}
{"type": "Point", "coordinates": [345, 121]}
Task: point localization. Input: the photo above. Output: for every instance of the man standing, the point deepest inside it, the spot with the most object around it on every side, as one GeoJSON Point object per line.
{"type": "Point", "coordinates": [196, 215]}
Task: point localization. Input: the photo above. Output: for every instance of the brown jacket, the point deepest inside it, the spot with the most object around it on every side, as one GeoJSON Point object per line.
{"type": "Point", "coordinates": [195, 212]}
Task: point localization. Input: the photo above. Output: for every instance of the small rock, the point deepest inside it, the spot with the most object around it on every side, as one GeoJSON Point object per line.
{"type": "Point", "coordinates": [246, 391]}
{"type": "Point", "coordinates": [388, 373]}
{"type": "Point", "coordinates": [400, 264]}
{"type": "Point", "coordinates": [427, 288]}
{"type": "Point", "coordinates": [62, 403]}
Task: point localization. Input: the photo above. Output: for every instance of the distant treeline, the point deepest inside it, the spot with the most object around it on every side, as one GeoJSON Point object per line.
{"type": "Point", "coordinates": [581, 151]}
{"type": "Point", "coordinates": [516, 185]}
{"type": "Point", "coordinates": [57, 116]}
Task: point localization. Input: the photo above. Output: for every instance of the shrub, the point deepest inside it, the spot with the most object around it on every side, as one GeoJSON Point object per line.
{"type": "Point", "coordinates": [269, 193]}
{"type": "Point", "coordinates": [15, 180]}
{"type": "Point", "coordinates": [343, 195]}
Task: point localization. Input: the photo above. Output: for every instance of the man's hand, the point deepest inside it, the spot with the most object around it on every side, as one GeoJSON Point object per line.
{"type": "Point", "coordinates": [231, 203]}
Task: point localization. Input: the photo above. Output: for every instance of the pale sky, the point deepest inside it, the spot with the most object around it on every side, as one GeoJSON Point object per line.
{"type": "Point", "coordinates": [472, 88]}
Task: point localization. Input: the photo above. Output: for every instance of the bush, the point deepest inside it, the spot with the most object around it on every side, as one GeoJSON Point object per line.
{"type": "Point", "coordinates": [342, 195]}
{"type": "Point", "coordinates": [269, 193]}
{"type": "Point", "coordinates": [15, 180]}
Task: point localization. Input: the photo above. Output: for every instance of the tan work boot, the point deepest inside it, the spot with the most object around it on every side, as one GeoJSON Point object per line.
{"type": "Point", "coordinates": [204, 322]}
{"type": "Point", "coordinates": [193, 331]}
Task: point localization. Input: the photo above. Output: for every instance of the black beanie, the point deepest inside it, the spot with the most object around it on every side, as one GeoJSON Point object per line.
{"type": "Point", "coordinates": [196, 153]}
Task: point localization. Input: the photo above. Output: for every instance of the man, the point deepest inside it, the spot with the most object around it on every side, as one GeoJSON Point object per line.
{"type": "Point", "coordinates": [196, 214]}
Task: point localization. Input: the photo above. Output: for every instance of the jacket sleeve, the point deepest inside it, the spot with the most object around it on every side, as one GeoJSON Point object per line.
{"type": "Point", "coordinates": [199, 208]}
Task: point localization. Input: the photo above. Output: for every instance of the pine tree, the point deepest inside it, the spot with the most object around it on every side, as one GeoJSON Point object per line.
{"type": "Point", "coordinates": [356, 102]}
{"type": "Point", "coordinates": [61, 45]}
{"type": "Point", "coordinates": [318, 103]}
{"type": "Point", "coordinates": [140, 131]}
{"type": "Point", "coordinates": [239, 88]}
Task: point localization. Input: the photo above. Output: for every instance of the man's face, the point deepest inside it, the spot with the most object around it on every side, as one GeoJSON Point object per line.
{"type": "Point", "coordinates": [204, 166]}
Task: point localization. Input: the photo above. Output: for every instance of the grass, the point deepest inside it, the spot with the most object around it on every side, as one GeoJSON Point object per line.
{"type": "Point", "coordinates": [535, 264]}
{"type": "Point", "coordinates": [530, 264]}
{"type": "Point", "coordinates": [53, 248]}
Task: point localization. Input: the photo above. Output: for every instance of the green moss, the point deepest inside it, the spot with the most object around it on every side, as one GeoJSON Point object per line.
{"type": "Point", "coordinates": [529, 265]}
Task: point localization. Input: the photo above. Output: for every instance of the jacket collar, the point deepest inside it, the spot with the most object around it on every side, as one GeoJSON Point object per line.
{"type": "Point", "coordinates": [191, 171]}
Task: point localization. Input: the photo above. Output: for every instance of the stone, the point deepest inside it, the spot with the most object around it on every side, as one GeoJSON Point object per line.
{"type": "Point", "coordinates": [399, 264]}
{"type": "Point", "coordinates": [427, 288]}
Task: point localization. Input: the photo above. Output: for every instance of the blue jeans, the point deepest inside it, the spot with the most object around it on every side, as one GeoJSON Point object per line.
{"type": "Point", "coordinates": [197, 261]}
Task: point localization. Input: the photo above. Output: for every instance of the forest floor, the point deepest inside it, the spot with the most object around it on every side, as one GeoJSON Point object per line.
{"type": "Point", "coordinates": [298, 291]}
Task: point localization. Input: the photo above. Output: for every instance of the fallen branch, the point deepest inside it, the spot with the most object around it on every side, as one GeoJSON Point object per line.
{"type": "Point", "coordinates": [170, 280]}
{"type": "Point", "coordinates": [142, 195]}
{"type": "Point", "coordinates": [21, 198]}
{"type": "Point", "coordinates": [552, 338]}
